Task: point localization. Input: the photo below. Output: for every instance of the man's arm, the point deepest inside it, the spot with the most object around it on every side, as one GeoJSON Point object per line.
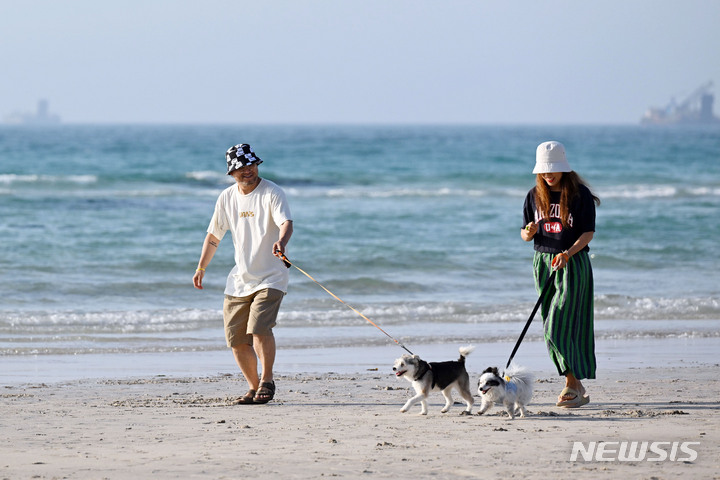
{"type": "Point", "coordinates": [286, 231]}
{"type": "Point", "coordinates": [209, 248]}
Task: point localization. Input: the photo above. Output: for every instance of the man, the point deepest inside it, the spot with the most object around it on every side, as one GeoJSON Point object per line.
{"type": "Point", "coordinates": [257, 214]}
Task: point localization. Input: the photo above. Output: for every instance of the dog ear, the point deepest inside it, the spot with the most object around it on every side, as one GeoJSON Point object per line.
{"type": "Point", "coordinates": [489, 370]}
{"type": "Point", "coordinates": [495, 371]}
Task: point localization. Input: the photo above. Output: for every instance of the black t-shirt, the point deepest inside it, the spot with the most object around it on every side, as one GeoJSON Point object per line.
{"type": "Point", "coordinates": [551, 236]}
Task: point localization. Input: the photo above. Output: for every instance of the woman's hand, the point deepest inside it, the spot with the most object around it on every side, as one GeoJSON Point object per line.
{"type": "Point", "coordinates": [529, 231]}
{"type": "Point", "coordinates": [560, 261]}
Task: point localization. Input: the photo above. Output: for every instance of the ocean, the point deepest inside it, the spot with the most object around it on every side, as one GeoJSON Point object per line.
{"type": "Point", "coordinates": [417, 227]}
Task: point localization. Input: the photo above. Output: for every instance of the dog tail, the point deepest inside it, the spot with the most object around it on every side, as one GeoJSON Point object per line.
{"type": "Point", "coordinates": [464, 352]}
{"type": "Point", "coordinates": [519, 374]}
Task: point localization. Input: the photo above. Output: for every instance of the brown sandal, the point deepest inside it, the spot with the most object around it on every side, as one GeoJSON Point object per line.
{"type": "Point", "coordinates": [248, 398]}
{"type": "Point", "coordinates": [265, 393]}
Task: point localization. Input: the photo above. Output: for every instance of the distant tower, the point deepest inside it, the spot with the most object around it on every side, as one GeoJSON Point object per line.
{"type": "Point", "coordinates": [42, 110]}
{"type": "Point", "coordinates": [706, 107]}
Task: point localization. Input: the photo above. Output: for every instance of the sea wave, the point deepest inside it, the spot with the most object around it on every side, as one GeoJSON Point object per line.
{"type": "Point", "coordinates": [363, 335]}
{"type": "Point", "coordinates": [106, 322]}
{"type": "Point", "coordinates": [657, 191]}
{"type": "Point", "coordinates": [631, 192]}
{"type": "Point", "coordinates": [647, 308]}
{"type": "Point", "coordinates": [13, 179]}
{"type": "Point", "coordinates": [668, 312]}
{"type": "Point", "coordinates": [220, 179]}
{"type": "Point", "coordinates": [386, 192]}
{"type": "Point", "coordinates": [205, 175]}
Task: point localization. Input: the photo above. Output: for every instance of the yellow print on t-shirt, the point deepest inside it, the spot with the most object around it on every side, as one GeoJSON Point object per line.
{"type": "Point", "coordinates": [246, 214]}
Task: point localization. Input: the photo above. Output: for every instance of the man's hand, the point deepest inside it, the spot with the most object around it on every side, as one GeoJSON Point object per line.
{"type": "Point", "coordinates": [198, 278]}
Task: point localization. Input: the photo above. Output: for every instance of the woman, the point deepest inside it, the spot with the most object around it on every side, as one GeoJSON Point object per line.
{"type": "Point", "coordinates": [559, 216]}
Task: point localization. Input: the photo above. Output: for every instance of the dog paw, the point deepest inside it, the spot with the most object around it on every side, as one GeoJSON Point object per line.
{"type": "Point", "coordinates": [465, 412]}
{"type": "Point", "coordinates": [403, 410]}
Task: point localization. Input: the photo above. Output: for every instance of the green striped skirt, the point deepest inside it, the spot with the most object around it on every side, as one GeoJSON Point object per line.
{"type": "Point", "coordinates": [567, 312]}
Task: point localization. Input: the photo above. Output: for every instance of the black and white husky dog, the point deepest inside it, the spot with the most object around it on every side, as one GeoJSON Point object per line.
{"type": "Point", "coordinates": [427, 377]}
{"type": "Point", "coordinates": [513, 389]}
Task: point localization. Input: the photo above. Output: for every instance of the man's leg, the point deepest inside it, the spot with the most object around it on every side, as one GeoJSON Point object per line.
{"type": "Point", "coordinates": [262, 320]}
{"type": "Point", "coordinates": [247, 361]}
{"type": "Point", "coordinates": [263, 315]}
{"type": "Point", "coordinates": [264, 346]}
{"type": "Point", "coordinates": [236, 311]}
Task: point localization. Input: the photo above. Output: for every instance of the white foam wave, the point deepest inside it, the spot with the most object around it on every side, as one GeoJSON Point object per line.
{"type": "Point", "coordinates": [108, 322]}
{"type": "Point", "coordinates": [383, 193]}
{"type": "Point", "coordinates": [10, 179]}
{"type": "Point", "coordinates": [646, 308]}
{"type": "Point", "coordinates": [705, 191]}
{"type": "Point", "coordinates": [209, 175]}
{"type": "Point", "coordinates": [642, 192]}
{"type": "Point", "coordinates": [327, 323]}
{"type": "Point", "coordinates": [639, 191]}
{"type": "Point", "coordinates": [667, 315]}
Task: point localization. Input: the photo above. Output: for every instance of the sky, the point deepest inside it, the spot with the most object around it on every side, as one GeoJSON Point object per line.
{"type": "Point", "coordinates": [355, 62]}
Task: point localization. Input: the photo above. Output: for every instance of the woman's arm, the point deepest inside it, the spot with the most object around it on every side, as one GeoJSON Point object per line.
{"type": "Point", "coordinates": [560, 261]}
{"type": "Point", "coordinates": [580, 243]}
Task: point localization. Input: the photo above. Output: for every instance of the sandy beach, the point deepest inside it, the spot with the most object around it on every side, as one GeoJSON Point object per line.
{"type": "Point", "coordinates": [350, 426]}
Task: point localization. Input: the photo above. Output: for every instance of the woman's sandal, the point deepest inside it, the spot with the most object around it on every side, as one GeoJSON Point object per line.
{"type": "Point", "coordinates": [247, 399]}
{"type": "Point", "coordinates": [265, 393]}
{"type": "Point", "coordinates": [578, 399]}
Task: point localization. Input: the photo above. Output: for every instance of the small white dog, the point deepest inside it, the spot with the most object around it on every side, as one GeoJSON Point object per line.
{"type": "Point", "coordinates": [427, 377]}
{"type": "Point", "coordinates": [514, 391]}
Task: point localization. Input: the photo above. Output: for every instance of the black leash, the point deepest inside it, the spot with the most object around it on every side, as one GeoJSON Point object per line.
{"type": "Point", "coordinates": [532, 315]}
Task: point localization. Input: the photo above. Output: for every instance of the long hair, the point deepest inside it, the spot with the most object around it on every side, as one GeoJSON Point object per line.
{"type": "Point", "coordinates": [569, 189]}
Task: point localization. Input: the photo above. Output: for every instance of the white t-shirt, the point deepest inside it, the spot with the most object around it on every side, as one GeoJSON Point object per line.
{"type": "Point", "coordinates": [254, 221]}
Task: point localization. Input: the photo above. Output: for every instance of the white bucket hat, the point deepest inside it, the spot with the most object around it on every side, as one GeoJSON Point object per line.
{"type": "Point", "coordinates": [550, 158]}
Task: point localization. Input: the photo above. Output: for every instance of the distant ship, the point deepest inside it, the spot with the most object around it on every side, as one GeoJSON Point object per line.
{"type": "Point", "coordinates": [696, 109]}
{"type": "Point", "coordinates": [41, 117]}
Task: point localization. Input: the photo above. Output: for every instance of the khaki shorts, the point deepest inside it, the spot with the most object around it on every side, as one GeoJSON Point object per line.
{"type": "Point", "coordinates": [252, 315]}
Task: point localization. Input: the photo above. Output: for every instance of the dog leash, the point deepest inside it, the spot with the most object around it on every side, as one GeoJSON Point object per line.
{"type": "Point", "coordinates": [288, 264]}
{"type": "Point", "coordinates": [532, 315]}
